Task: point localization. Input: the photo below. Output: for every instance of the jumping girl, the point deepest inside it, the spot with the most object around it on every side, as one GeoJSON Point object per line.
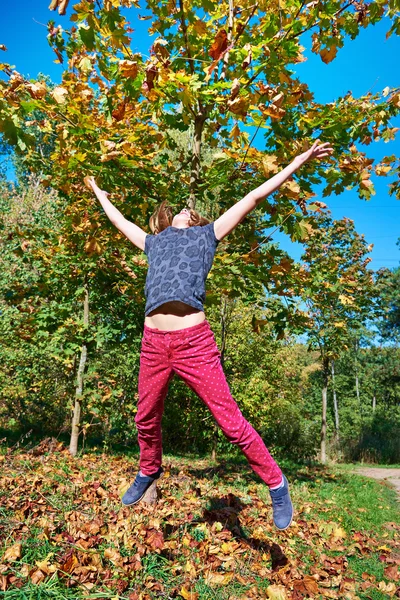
{"type": "Point", "coordinates": [178, 339]}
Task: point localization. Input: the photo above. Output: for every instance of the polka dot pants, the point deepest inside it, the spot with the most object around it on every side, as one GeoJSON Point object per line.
{"type": "Point", "coordinates": [193, 355]}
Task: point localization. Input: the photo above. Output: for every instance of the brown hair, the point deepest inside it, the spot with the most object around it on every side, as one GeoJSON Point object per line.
{"type": "Point", "coordinates": [164, 214]}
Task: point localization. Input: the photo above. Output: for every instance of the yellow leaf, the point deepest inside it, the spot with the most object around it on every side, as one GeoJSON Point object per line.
{"type": "Point", "coordinates": [12, 553]}
{"type": "Point", "coordinates": [93, 247]}
{"type": "Point", "coordinates": [388, 588]}
{"type": "Point", "coordinates": [44, 565]}
{"type": "Point", "coordinates": [338, 534]}
{"type": "Point", "coordinates": [190, 568]}
{"type": "Point", "coordinates": [59, 94]}
{"type": "Point", "coordinates": [235, 132]}
{"type": "Point", "coordinates": [218, 578]}
{"type": "Point", "coordinates": [276, 592]}
{"type": "Point", "coordinates": [291, 189]}
{"type": "Point", "coordinates": [346, 300]}
{"type": "Point", "coordinates": [188, 595]}
{"type": "Point", "coordinates": [270, 164]}
{"type": "Point", "coordinates": [382, 169]}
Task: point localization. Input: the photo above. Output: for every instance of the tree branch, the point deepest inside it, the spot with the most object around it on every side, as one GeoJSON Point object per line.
{"type": "Point", "coordinates": [229, 39]}
{"type": "Point", "coordinates": [184, 30]}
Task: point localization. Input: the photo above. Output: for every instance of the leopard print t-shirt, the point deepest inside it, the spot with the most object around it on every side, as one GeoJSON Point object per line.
{"type": "Point", "coordinates": [179, 262]}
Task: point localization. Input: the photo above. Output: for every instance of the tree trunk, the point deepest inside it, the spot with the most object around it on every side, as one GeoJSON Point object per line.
{"type": "Point", "coordinates": [356, 369]}
{"type": "Point", "coordinates": [196, 153]}
{"type": "Point", "coordinates": [325, 366]}
{"type": "Point", "coordinates": [335, 403]}
{"type": "Point", "coordinates": [374, 403]}
{"type": "Point", "coordinates": [73, 447]}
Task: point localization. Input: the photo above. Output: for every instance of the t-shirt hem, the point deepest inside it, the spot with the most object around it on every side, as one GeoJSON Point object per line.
{"type": "Point", "coordinates": [174, 299]}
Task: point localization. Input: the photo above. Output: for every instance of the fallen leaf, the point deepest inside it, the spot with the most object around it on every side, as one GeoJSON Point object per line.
{"type": "Point", "coordinates": [276, 592]}
{"type": "Point", "coordinates": [13, 553]}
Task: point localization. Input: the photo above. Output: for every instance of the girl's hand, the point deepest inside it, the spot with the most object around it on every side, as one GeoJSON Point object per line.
{"type": "Point", "coordinates": [90, 182]}
{"type": "Point", "coordinates": [317, 150]}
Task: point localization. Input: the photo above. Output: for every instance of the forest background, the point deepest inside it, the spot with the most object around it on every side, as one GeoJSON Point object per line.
{"type": "Point", "coordinates": [308, 328]}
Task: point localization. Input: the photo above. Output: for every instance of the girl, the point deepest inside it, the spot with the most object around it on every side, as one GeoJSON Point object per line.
{"type": "Point", "coordinates": [177, 337]}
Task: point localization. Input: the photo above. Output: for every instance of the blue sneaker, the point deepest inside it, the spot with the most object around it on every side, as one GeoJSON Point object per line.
{"type": "Point", "coordinates": [282, 507]}
{"type": "Point", "coordinates": [139, 487]}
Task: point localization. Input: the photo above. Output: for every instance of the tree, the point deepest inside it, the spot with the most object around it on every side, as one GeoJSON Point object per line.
{"type": "Point", "coordinates": [338, 291]}
{"type": "Point", "coordinates": [214, 70]}
{"type": "Point", "coordinates": [389, 287]}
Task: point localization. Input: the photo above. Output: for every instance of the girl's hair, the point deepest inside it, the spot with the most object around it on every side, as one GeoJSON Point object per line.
{"type": "Point", "coordinates": [164, 214]}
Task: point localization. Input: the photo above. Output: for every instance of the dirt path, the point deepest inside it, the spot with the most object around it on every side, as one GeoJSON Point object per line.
{"type": "Point", "coordinates": [392, 476]}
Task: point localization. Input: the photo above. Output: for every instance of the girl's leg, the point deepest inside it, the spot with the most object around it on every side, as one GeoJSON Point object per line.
{"type": "Point", "coordinates": [197, 362]}
{"type": "Point", "coordinates": [154, 375]}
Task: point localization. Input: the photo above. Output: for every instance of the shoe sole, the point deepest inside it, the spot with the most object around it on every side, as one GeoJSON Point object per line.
{"type": "Point", "coordinates": [144, 493]}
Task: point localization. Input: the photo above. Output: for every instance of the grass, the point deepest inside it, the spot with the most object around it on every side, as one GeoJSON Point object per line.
{"type": "Point", "coordinates": [65, 534]}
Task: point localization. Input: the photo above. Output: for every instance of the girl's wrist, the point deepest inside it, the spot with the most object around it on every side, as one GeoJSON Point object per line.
{"type": "Point", "coordinates": [299, 161]}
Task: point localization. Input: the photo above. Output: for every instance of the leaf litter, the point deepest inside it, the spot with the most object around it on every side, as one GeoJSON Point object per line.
{"type": "Point", "coordinates": [62, 518]}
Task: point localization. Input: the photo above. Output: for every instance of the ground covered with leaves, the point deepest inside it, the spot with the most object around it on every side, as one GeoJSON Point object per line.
{"type": "Point", "coordinates": [64, 533]}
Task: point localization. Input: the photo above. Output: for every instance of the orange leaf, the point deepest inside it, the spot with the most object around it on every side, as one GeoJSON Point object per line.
{"type": "Point", "coordinates": [128, 68]}
{"type": "Point", "coordinates": [239, 105]}
{"type": "Point", "coordinates": [155, 539]}
{"type": "Point", "coordinates": [328, 54]}
{"type": "Point", "coordinates": [219, 45]}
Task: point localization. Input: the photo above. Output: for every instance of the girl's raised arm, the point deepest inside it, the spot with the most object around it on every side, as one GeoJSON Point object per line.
{"type": "Point", "coordinates": [134, 233]}
{"type": "Point", "coordinates": [234, 215]}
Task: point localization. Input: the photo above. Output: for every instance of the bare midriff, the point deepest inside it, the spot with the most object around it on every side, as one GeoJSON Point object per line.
{"type": "Point", "coordinates": [171, 316]}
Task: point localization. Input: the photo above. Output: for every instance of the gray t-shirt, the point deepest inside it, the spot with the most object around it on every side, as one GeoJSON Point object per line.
{"type": "Point", "coordinates": [179, 262]}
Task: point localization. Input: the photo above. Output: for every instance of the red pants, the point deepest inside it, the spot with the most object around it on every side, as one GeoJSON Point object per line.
{"type": "Point", "coordinates": [193, 355]}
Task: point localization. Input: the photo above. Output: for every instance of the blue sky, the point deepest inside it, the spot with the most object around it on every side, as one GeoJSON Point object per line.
{"type": "Point", "coordinates": [365, 64]}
